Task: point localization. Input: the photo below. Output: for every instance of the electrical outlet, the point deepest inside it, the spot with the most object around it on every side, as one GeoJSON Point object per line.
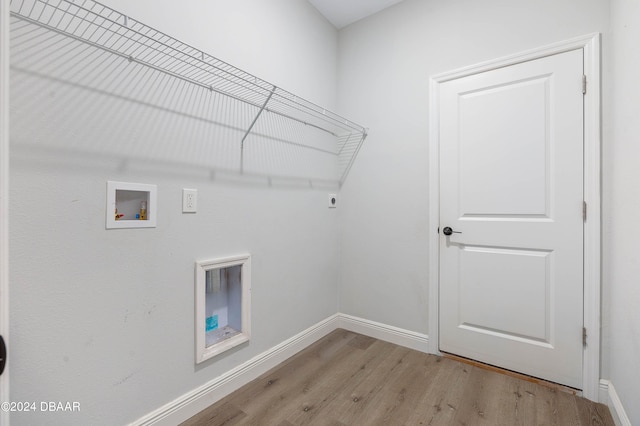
{"type": "Point", "coordinates": [189, 200]}
{"type": "Point", "coordinates": [333, 201]}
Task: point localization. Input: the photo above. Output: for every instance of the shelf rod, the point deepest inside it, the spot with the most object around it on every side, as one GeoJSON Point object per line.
{"type": "Point", "coordinates": [165, 71]}
{"type": "Point", "coordinates": [352, 159]}
{"type": "Point", "coordinates": [253, 123]}
{"type": "Point", "coordinates": [107, 30]}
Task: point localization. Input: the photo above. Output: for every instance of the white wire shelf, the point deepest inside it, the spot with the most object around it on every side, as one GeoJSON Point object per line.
{"type": "Point", "coordinates": [60, 26]}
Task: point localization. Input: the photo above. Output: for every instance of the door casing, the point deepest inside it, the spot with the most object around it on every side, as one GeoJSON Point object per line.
{"type": "Point", "coordinates": [590, 44]}
{"type": "Point", "coordinates": [4, 194]}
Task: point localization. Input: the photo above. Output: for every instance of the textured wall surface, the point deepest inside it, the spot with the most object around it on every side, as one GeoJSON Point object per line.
{"type": "Point", "coordinates": [621, 266]}
{"type": "Point", "coordinates": [106, 317]}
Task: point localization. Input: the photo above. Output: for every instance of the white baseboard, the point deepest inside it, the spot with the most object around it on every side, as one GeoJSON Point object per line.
{"type": "Point", "coordinates": [202, 397]}
{"type": "Point", "coordinates": [603, 392]}
{"type": "Point", "coordinates": [399, 336]}
{"type": "Point", "coordinates": [193, 402]}
{"type": "Point", "coordinates": [609, 396]}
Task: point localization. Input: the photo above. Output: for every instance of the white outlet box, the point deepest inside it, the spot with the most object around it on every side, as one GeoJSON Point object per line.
{"type": "Point", "coordinates": [189, 200]}
{"type": "Point", "coordinates": [125, 201]}
{"type": "Point", "coordinates": [333, 201]}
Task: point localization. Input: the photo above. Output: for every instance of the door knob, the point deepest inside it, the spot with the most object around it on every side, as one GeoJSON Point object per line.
{"type": "Point", "coordinates": [448, 231]}
{"type": "Point", "coordinates": [3, 355]}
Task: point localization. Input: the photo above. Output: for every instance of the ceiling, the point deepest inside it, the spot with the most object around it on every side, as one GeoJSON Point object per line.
{"type": "Point", "coordinates": [344, 12]}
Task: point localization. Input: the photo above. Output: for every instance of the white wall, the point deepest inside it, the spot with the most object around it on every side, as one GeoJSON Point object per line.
{"type": "Point", "coordinates": [384, 66]}
{"type": "Point", "coordinates": [621, 205]}
{"type": "Point", "coordinates": [285, 42]}
{"type": "Point", "coordinates": [105, 318]}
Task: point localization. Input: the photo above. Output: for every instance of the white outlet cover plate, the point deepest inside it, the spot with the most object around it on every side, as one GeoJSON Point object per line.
{"type": "Point", "coordinates": [333, 201]}
{"type": "Point", "coordinates": [189, 200]}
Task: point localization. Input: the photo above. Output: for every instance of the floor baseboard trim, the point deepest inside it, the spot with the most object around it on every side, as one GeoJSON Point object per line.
{"type": "Point", "coordinates": [610, 397]}
{"type": "Point", "coordinates": [388, 333]}
{"type": "Point", "coordinates": [603, 392]}
{"type": "Point", "coordinates": [191, 403]}
{"type": "Point", "coordinates": [200, 398]}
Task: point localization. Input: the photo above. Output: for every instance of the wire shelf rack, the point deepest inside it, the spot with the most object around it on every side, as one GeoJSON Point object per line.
{"type": "Point", "coordinates": [99, 27]}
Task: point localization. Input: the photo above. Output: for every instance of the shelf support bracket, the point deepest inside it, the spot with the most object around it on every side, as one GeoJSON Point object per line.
{"type": "Point", "coordinates": [253, 123]}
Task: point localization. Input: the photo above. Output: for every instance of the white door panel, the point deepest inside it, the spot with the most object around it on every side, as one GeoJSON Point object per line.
{"type": "Point", "coordinates": [482, 178]}
{"type": "Point", "coordinates": [511, 182]}
{"type": "Point", "coordinates": [515, 275]}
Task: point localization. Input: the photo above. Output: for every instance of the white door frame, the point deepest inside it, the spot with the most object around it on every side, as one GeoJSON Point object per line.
{"type": "Point", "coordinates": [4, 196]}
{"type": "Point", "coordinates": [591, 46]}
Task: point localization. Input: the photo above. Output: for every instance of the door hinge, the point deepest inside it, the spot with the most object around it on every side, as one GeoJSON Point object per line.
{"type": "Point", "coordinates": [584, 336]}
{"type": "Point", "coordinates": [584, 84]}
{"type": "Point", "coordinates": [584, 211]}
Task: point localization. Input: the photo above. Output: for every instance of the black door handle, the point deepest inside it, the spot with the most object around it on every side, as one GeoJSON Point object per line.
{"type": "Point", "coordinates": [3, 354]}
{"type": "Point", "coordinates": [448, 231]}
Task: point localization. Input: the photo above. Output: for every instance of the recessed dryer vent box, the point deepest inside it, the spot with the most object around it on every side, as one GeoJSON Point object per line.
{"type": "Point", "coordinates": [131, 205]}
{"type": "Point", "coordinates": [223, 305]}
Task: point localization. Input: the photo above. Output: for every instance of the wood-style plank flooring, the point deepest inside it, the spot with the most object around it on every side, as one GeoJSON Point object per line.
{"type": "Point", "coordinates": [350, 379]}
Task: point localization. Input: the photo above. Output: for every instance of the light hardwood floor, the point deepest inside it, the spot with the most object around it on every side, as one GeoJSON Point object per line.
{"type": "Point", "coordinates": [350, 379]}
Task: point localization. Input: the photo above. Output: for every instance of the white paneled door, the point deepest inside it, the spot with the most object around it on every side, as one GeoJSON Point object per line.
{"type": "Point", "coordinates": [511, 200]}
